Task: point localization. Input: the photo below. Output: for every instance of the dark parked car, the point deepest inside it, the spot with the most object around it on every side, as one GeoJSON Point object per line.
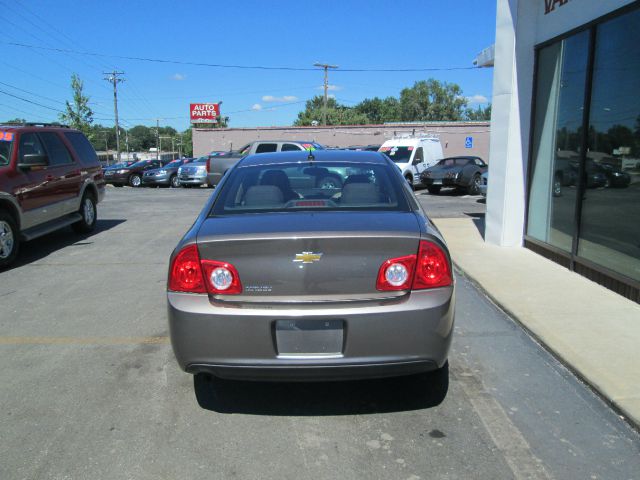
{"type": "Point", "coordinates": [165, 176]}
{"type": "Point", "coordinates": [50, 178]}
{"type": "Point", "coordinates": [597, 175]}
{"type": "Point", "coordinates": [464, 173]}
{"type": "Point", "coordinates": [282, 279]}
{"type": "Point", "coordinates": [116, 166]}
{"type": "Point", "coordinates": [368, 148]}
{"type": "Point", "coordinates": [132, 175]}
{"type": "Point", "coordinates": [615, 177]}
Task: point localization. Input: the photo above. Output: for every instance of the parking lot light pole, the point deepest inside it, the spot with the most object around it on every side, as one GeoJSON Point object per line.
{"type": "Point", "coordinates": [326, 67]}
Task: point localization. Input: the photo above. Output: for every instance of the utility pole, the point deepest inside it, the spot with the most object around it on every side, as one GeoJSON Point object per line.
{"type": "Point", "coordinates": [113, 78]}
{"type": "Point", "coordinates": [157, 138]}
{"type": "Point", "coordinates": [326, 67]}
{"type": "Point", "coordinates": [126, 136]}
{"type": "Point", "coordinates": [166, 137]}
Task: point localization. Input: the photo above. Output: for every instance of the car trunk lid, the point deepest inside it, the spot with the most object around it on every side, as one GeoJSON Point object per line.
{"type": "Point", "coordinates": [308, 256]}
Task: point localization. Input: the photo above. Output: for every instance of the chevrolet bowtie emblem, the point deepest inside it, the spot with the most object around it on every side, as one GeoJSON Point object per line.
{"type": "Point", "coordinates": [307, 257]}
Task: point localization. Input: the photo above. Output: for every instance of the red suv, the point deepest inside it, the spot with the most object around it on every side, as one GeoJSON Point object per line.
{"type": "Point", "coordinates": [50, 178]}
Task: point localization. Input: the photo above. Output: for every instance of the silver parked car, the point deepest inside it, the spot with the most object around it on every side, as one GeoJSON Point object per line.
{"type": "Point", "coordinates": [284, 278]}
{"type": "Point", "coordinates": [193, 174]}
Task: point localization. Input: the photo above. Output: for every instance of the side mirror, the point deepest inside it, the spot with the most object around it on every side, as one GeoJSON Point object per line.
{"type": "Point", "coordinates": [31, 160]}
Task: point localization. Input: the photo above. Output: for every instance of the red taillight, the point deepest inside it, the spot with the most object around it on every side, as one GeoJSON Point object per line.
{"type": "Point", "coordinates": [190, 274]}
{"type": "Point", "coordinates": [221, 278]}
{"type": "Point", "coordinates": [432, 268]}
{"type": "Point", "coordinates": [394, 271]}
{"type": "Point", "coordinates": [185, 274]}
{"type": "Point", "coordinates": [208, 164]}
{"type": "Point", "coordinates": [429, 269]}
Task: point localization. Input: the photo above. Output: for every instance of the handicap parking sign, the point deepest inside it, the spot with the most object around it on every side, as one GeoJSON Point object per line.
{"type": "Point", "coordinates": [468, 142]}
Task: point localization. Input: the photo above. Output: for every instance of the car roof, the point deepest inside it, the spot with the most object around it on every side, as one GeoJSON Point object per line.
{"type": "Point", "coordinates": [318, 155]}
{"type": "Point", "coordinates": [284, 141]}
{"type": "Point", "coordinates": [465, 157]}
{"type": "Point", "coordinates": [29, 127]}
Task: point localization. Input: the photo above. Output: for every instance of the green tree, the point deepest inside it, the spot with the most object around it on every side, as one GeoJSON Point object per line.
{"type": "Point", "coordinates": [187, 143]}
{"type": "Point", "coordinates": [379, 110]}
{"type": "Point", "coordinates": [479, 114]}
{"type": "Point", "coordinates": [431, 100]}
{"type": "Point", "coordinates": [14, 121]}
{"type": "Point", "coordinates": [336, 114]}
{"type": "Point", "coordinates": [78, 114]}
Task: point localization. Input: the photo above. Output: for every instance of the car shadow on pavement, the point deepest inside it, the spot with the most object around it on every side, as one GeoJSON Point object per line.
{"type": "Point", "coordinates": [41, 247]}
{"type": "Point", "coordinates": [359, 397]}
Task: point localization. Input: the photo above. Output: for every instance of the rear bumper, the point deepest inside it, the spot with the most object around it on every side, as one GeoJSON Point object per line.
{"type": "Point", "coordinates": [440, 182]}
{"type": "Point", "coordinates": [192, 180]}
{"type": "Point", "coordinates": [411, 335]}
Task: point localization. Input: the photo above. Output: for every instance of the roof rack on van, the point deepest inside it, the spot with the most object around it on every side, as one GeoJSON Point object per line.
{"type": "Point", "coordinates": [35, 124]}
{"type": "Point", "coordinates": [414, 135]}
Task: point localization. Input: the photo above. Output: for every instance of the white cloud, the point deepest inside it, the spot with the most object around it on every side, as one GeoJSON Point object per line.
{"type": "Point", "coordinates": [286, 98]}
{"type": "Point", "coordinates": [331, 95]}
{"type": "Point", "coordinates": [178, 76]}
{"type": "Point", "coordinates": [477, 99]}
{"type": "Point", "coordinates": [256, 107]}
{"type": "Point", "coordinates": [330, 88]}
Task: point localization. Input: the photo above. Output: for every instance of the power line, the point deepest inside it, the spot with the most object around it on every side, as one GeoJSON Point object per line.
{"type": "Point", "coordinates": [242, 67]}
{"type": "Point", "coordinates": [32, 102]}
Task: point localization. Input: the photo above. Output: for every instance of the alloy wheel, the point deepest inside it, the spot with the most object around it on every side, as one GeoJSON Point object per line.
{"type": "Point", "coordinates": [88, 211]}
{"type": "Point", "coordinates": [6, 240]}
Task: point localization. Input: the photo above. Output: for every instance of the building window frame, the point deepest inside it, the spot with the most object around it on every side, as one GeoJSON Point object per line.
{"type": "Point", "coordinates": [620, 283]}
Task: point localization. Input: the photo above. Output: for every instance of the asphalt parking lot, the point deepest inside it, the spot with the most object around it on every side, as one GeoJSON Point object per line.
{"type": "Point", "coordinates": [90, 388]}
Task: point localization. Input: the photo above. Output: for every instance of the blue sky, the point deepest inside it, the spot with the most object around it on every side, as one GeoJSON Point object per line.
{"type": "Point", "coordinates": [352, 34]}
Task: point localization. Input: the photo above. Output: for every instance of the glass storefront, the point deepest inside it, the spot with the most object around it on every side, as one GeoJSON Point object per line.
{"type": "Point", "coordinates": [584, 189]}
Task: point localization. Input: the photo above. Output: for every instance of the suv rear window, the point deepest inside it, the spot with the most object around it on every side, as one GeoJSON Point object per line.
{"type": "Point", "coordinates": [83, 147]}
{"type": "Point", "coordinates": [320, 187]}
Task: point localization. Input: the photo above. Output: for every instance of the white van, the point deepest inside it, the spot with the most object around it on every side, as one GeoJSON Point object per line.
{"type": "Point", "coordinates": [413, 155]}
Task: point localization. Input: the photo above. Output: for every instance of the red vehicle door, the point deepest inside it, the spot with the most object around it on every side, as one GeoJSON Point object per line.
{"type": "Point", "coordinates": [33, 189]}
{"type": "Point", "coordinates": [67, 179]}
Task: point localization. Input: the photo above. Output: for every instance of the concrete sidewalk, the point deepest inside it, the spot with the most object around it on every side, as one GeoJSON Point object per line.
{"type": "Point", "coordinates": [591, 329]}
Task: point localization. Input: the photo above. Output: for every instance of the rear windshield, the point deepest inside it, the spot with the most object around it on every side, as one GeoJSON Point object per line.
{"type": "Point", "coordinates": [398, 154]}
{"type": "Point", "coordinates": [319, 187]}
{"type": "Point", "coordinates": [6, 141]}
{"type": "Point", "coordinates": [140, 163]}
{"type": "Point", "coordinates": [452, 162]}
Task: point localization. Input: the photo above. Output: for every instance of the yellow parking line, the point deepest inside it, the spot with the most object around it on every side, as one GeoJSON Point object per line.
{"type": "Point", "coordinates": [84, 340]}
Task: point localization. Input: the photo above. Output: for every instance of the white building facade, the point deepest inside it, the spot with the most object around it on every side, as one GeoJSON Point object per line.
{"type": "Point", "coordinates": [564, 175]}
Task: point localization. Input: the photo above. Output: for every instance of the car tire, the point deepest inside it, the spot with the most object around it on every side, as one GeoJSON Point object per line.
{"type": "Point", "coordinates": [474, 188]}
{"type": "Point", "coordinates": [89, 215]}
{"type": "Point", "coordinates": [409, 180]}
{"type": "Point", "coordinates": [135, 181]}
{"type": "Point", "coordinates": [174, 182]}
{"type": "Point", "coordinates": [434, 189]}
{"type": "Point", "coordinates": [9, 239]}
